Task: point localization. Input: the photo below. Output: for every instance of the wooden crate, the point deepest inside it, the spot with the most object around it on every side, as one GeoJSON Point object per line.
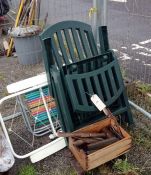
{"type": "Point", "coordinates": [103, 155]}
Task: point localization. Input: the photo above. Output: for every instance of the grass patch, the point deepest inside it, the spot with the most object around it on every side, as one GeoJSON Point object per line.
{"type": "Point", "coordinates": [105, 169]}
{"type": "Point", "coordinates": [123, 72]}
{"type": "Point", "coordinates": [65, 171]}
{"type": "Point", "coordinates": [142, 138]}
{"type": "Point", "coordinates": [138, 93]}
{"type": "Point", "coordinates": [2, 78]}
{"type": "Point", "coordinates": [124, 167]}
{"type": "Point", "coordinates": [144, 88]}
{"type": "Point", "coordinates": [27, 170]}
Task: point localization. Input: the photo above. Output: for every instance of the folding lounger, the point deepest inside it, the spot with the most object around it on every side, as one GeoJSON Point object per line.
{"type": "Point", "coordinates": [43, 118]}
{"type": "Point", "coordinates": [36, 105]}
{"type": "Point", "coordinates": [75, 69]}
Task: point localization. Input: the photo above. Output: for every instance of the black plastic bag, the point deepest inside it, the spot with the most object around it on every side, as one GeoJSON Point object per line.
{"type": "Point", "coordinates": [4, 7]}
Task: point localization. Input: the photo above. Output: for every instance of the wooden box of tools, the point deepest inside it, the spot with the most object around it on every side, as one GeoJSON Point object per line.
{"type": "Point", "coordinates": [89, 159]}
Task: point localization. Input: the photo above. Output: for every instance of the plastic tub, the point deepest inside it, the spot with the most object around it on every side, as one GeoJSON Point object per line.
{"type": "Point", "coordinates": [27, 44]}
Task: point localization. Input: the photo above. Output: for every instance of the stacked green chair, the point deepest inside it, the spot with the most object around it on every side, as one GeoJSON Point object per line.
{"type": "Point", "coordinates": [76, 70]}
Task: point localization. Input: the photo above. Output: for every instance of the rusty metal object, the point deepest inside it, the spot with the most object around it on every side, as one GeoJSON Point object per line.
{"type": "Point", "coordinates": [109, 134]}
{"type": "Point", "coordinates": [82, 141]}
{"type": "Point", "coordinates": [81, 134]}
{"type": "Point", "coordinates": [116, 133]}
{"type": "Point", "coordinates": [101, 144]}
{"type": "Point", "coordinates": [115, 126]}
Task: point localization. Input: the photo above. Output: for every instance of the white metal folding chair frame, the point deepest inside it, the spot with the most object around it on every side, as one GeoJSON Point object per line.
{"type": "Point", "coordinates": [44, 151]}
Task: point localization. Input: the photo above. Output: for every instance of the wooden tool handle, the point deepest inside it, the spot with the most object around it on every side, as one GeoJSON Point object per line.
{"type": "Point", "coordinates": [83, 141]}
{"type": "Point", "coordinates": [81, 134]}
{"type": "Point", "coordinates": [109, 134]}
{"type": "Point", "coordinates": [101, 144]}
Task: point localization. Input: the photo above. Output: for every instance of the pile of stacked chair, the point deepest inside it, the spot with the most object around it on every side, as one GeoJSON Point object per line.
{"type": "Point", "coordinates": [76, 69]}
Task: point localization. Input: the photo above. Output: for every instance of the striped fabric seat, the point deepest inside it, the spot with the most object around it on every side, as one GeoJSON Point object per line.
{"type": "Point", "coordinates": [37, 109]}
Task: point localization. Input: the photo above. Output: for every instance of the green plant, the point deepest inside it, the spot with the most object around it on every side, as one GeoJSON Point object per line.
{"type": "Point", "coordinates": [105, 169]}
{"type": "Point", "coordinates": [124, 167]}
{"type": "Point", "coordinates": [65, 171]}
{"type": "Point", "coordinates": [142, 138]}
{"type": "Point", "coordinates": [2, 77]}
{"type": "Point", "coordinates": [123, 72]}
{"type": "Point", "coordinates": [144, 88]}
{"type": "Point", "coordinates": [27, 170]}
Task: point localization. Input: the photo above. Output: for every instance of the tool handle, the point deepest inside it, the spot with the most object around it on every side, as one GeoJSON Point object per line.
{"type": "Point", "coordinates": [102, 144]}
{"type": "Point", "coordinates": [82, 141]}
{"type": "Point", "coordinates": [80, 134]}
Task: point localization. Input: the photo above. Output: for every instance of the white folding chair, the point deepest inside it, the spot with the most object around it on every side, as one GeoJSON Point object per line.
{"type": "Point", "coordinates": [28, 88]}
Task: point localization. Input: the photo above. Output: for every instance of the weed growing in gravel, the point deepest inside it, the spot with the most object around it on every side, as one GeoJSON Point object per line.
{"type": "Point", "coordinates": [65, 171]}
{"type": "Point", "coordinates": [123, 72]}
{"type": "Point", "coordinates": [2, 77]}
{"type": "Point", "coordinates": [27, 170]}
{"type": "Point", "coordinates": [124, 167]}
{"type": "Point", "coordinates": [144, 87]}
{"type": "Point", "coordinates": [142, 138]}
{"type": "Point", "coordinates": [105, 169]}
{"type": "Point", "coordinates": [5, 93]}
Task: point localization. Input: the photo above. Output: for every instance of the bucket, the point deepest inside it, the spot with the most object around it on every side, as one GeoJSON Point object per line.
{"type": "Point", "coordinates": [28, 49]}
{"type": "Point", "coordinates": [27, 44]}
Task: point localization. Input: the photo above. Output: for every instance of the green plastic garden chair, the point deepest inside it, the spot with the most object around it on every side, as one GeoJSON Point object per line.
{"type": "Point", "coordinates": [75, 69]}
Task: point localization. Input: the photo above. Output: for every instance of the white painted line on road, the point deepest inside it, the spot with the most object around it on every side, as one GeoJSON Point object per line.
{"type": "Point", "coordinates": [147, 65]}
{"type": "Point", "coordinates": [124, 56]}
{"type": "Point", "coordinates": [145, 42]}
{"type": "Point", "coordinates": [115, 50]}
{"type": "Point", "coordinates": [123, 47]}
{"type": "Point", "coordinates": [119, 0]}
{"type": "Point", "coordinates": [137, 46]}
{"type": "Point", "coordinates": [137, 59]}
{"type": "Point", "coordinates": [144, 54]}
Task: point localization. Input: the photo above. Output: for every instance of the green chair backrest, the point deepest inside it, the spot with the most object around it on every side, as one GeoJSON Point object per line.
{"type": "Point", "coordinates": [67, 42]}
{"type": "Point", "coordinates": [106, 81]}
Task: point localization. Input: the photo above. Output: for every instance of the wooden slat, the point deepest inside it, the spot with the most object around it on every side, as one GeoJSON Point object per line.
{"type": "Point", "coordinates": [95, 127]}
{"type": "Point", "coordinates": [84, 42]}
{"type": "Point", "coordinates": [109, 156]}
{"type": "Point", "coordinates": [77, 44]}
{"type": "Point", "coordinates": [108, 149]}
{"type": "Point", "coordinates": [62, 47]}
{"type": "Point", "coordinates": [79, 154]}
{"type": "Point", "coordinates": [70, 44]}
